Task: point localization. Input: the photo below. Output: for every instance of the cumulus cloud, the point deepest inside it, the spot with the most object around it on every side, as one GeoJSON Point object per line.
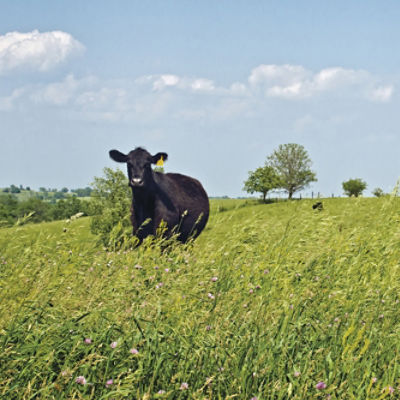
{"type": "Point", "coordinates": [382, 94]}
{"type": "Point", "coordinates": [172, 96]}
{"type": "Point", "coordinates": [35, 50]}
{"type": "Point", "coordinates": [296, 82]}
{"type": "Point", "coordinates": [169, 81]}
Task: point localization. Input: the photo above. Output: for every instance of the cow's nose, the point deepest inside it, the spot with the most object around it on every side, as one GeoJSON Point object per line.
{"type": "Point", "coordinates": [137, 181]}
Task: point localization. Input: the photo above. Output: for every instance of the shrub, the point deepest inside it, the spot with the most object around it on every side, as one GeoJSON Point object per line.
{"type": "Point", "coordinates": [110, 207]}
{"type": "Point", "coordinates": [354, 187]}
{"type": "Point", "coordinates": [378, 192]}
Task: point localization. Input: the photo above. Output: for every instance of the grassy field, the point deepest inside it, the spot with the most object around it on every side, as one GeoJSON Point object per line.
{"type": "Point", "coordinates": [274, 301]}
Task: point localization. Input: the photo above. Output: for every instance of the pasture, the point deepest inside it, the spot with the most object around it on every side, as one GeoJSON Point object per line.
{"type": "Point", "coordinates": [268, 302]}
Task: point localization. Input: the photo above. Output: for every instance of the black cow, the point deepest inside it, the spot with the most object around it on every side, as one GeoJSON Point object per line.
{"type": "Point", "coordinates": [178, 200]}
{"type": "Point", "coordinates": [318, 206]}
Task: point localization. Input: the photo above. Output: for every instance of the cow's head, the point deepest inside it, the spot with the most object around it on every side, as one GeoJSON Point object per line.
{"type": "Point", "coordinates": [139, 165]}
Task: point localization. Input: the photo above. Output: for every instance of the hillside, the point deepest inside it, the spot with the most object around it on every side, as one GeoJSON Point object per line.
{"type": "Point", "coordinates": [268, 302]}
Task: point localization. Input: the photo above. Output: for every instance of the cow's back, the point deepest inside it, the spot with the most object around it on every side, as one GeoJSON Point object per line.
{"type": "Point", "coordinates": [187, 198]}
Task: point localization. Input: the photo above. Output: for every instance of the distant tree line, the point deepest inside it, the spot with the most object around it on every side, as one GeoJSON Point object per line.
{"type": "Point", "coordinates": [11, 210]}
{"type": "Point", "coordinates": [49, 194]}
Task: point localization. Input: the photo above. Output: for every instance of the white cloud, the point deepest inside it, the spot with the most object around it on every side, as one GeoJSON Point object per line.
{"type": "Point", "coordinates": [382, 94]}
{"type": "Point", "coordinates": [61, 93]}
{"type": "Point", "coordinates": [203, 85]}
{"type": "Point", "coordinates": [7, 102]}
{"type": "Point", "coordinates": [35, 50]}
{"type": "Point", "coordinates": [174, 97]}
{"type": "Point", "coordinates": [286, 75]}
{"type": "Point", "coordinates": [296, 82]}
{"type": "Point", "coordinates": [165, 81]}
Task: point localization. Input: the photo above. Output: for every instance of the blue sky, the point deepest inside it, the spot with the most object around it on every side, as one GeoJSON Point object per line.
{"type": "Point", "coordinates": [218, 85]}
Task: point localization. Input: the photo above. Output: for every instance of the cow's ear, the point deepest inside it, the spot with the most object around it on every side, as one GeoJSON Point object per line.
{"type": "Point", "coordinates": [159, 158]}
{"type": "Point", "coordinates": [118, 156]}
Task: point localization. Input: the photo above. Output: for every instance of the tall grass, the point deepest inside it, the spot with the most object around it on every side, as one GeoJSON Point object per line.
{"type": "Point", "coordinates": [269, 301]}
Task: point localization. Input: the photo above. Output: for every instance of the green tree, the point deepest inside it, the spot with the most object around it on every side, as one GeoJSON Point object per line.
{"type": "Point", "coordinates": [354, 187]}
{"type": "Point", "coordinates": [41, 210]}
{"type": "Point", "coordinates": [64, 209]}
{"type": "Point", "coordinates": [262, 180]}
{"type": "Point", "coordinates": [15, 189]}
{"type": "Point", "coordinates": [293, 166]}
{"type": "Point", "coordinates": [378, 192]}
{"type": "Point", "coordinates": [110, 206]}
{"type": "Point", "coordinates": [8, 209]}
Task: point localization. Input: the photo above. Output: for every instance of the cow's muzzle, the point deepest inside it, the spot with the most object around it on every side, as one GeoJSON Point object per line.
{"type": "Point", "coordinates": [137, 182]}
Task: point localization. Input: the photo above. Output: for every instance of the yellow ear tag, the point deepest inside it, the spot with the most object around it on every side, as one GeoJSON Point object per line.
{"type": "Point", "coordinates": [160, 162]}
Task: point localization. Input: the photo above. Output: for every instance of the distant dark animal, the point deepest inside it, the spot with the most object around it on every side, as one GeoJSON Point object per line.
{"type": "Point", "coordinates": [178, 200]}
{"type": "Point", "coordinates": [318, 206]}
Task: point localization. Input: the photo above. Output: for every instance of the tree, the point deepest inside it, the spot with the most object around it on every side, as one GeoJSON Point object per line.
{"type": "Point", "coordinates": [110, 206]}
{"type": "Point", "coordinates": [262, 180]}
{"type": "Point", "coordinates": [293, 166]}
{"type": "Point", "coordinates": [14, 189]}
{"type": "Point", "coordinates": [354, 187]}
{"type": "Point", "coordinates": [378, 192]}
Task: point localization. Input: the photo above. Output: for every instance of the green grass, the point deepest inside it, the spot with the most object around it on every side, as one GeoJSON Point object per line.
{"type": "Point", "coordinates": [301, 296]}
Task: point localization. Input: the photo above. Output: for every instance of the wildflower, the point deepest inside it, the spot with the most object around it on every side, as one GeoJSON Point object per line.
{"type": "Point", "coordinates": [156, 267]}
{"type": "Point", "coordinates": [161, 392]}
{"type": "Point", "coordinates": [208, 328]}
{"type": "Point", "coordinates": [211, 296]}
{"type": "Point", "coordinates": [166, 269]}
{"type": "Point", "coordinates": [137, 266]}
{"type": "Point", "coordinates": [296, 374]}
{"type": "Point", "coordinates": [254, 398]}
{"type": "Point", "coordinates": [113, 345]}
{"type": "Point", "coordinates": [159, 285]}
{"type": "Point", "coordinates": [291, 306]}
{"type": "Point", "coordinates": [258, 287]}
{"type": "Point", "coordinates": [88, 341]}
{"type": "Point", "coordinates": [134, 351]}
{"type": "Point", "coordinates": [390, 389]}
{"type": "Point", "coordinates": [381, 316]}
{"type": "Point", "coordinates": [320, 385]}
{"type": "Point", "coordinates": [80, 380]}
{"type": "Point", "coordinates": [184, 386]}
{"type": "Point", "coordinates": [336, 319]}
{"type": "Point", "coordinates": [109, 383]}
{"type": "Point", "coordinates": [214, 279]}
{"type": "Point", "coordinates": [374, 379]}
{"type": "Point", "coordinates": [251, 291]}
{"type": "Point", "coordinates": [266, 271]}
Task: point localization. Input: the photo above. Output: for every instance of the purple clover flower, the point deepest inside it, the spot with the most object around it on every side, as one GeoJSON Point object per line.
{"type": "Point", "coordinates": [109, 383]}
{"type": "Point", "coordinates": [80, 380]}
